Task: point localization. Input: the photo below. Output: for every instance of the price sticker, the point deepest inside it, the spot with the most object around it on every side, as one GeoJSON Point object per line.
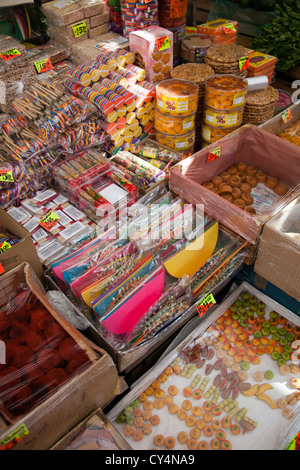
{"type": "Point", "coordinates": [49, 221]}
{"type": "Point", "coordinates": [10, 54]}
{"type": "Point", "coordinates": [12, 439]}
{"type": "Point", "coordinates": [286, 115]}
{"type": "Point", "coordinates": [4, 247]}
{"type": "Point", "coordinates": [7, 176]}
{"type": "Point", "coordinates": [43, 65]}
{"type": "Point", "coordinates": [213, 154]}
{"type": "Point", "coordinates": [2, 270]}
{"type": "Point", "coordinates": [79, 29]}
{"type": "Point", "coordinates": [205, 304]}
{"type": "Point", "coordinates": [228, 28]}
{"type": "Point", "coordinates": [244, 63]}
{"type": "Point", "coordinates": [163, 43]}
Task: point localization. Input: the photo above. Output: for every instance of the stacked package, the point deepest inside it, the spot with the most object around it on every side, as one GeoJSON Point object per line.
{"type": "Point", "coordinates": [261, 64]}
{"type": "Point", "coordinates": [137, 15]}
{"type": "Point", "coordinates": [228, 58]}
{"type": "Point", "coordinates": [16, 72]}
{"type": "Point", "coordinates": [77, 22]}
{"type": "Point", "coordinates": [115, 18]}
{"type": "Point", "coordinates": [197, 73]}
{"type": "Point", "coordinates": [89, 50]}
{"type": "Point", "coordinates": [224, 31]}
{"type": "Point", "coordinates": [118, 89]}
{"type": "Point", "coordinates": [260, 106]}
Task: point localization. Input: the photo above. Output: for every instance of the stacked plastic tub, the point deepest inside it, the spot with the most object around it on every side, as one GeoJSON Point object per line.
{"type": "Point", "coordinates": [176, 107]}
{"type": "Point", "coordinates": [172, 16]}
{"type": "Point", "coordinates": [224, 103]}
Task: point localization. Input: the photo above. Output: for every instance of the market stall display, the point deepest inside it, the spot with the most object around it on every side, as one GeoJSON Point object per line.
{"type": "Point", "coordinates": [231, 381]}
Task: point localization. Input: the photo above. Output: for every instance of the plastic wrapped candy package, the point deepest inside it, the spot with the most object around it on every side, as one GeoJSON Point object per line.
{"type": "Point", "coordinates": [225, 386]}
{"type": "Point", "coordinates": [136, 16]}
{"type": "Point", "coordinates": [40, 354]}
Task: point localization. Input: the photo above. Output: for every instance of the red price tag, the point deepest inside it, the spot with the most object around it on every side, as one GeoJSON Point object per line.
{"type": "Point", "coordinates": [10, 54]}
{"type": "Point", "coordinates": [213, 154]}
{"type": "Point", "coordinates": [49, 221]}
{"type": "Point", "coordinates": [43, 65]}
{"type": "Point", "coordinates": [228, 28]}
{"type": "Point", "coordinates": [2, 270]}
{"type": "Point", "coordinates": [163, 43]}
{"type": "Point", "coordinates": [244, 63]}
{"type": "Point", "coordinates": [287, 115]}
{"type": "Point", "coordinates": [205, 304]}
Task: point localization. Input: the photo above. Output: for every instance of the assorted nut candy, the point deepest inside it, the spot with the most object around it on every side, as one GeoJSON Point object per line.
{"type": "Point", "coordinates": [225, 386]}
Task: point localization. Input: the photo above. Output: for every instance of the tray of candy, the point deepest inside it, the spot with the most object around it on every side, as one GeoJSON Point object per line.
{"type": "Point", "coordinates": [232, 384]}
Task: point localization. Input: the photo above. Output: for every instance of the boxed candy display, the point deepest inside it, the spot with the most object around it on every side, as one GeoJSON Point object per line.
{"type": "Point", "coordinates": [153, 50]}
{"type": "Point", "coordinates": [48, 369]}
{"type": "Point", "coordinates": [231, 384]}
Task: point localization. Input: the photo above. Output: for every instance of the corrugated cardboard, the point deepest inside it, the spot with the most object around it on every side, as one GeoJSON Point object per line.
{"type": "Point", "coordinates": [23, 251]}
{"type": "Point", "coordinates": [95, 387]}
{"type": "Point", "coordinates": [254, 146]}
{"type": "Point", "coordinates": [278, 258]}
{"type": "Point", "coordinates": [100, 419]}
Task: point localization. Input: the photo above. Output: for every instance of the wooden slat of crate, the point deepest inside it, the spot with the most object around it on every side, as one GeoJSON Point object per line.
{"type": "Point", "coordinates": [201, 10]}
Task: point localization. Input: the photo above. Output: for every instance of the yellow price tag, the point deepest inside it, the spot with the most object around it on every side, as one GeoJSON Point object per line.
{"type": "Point", "coordinates": [79, 29]}
{"type": "Point", "coordinates": [244, 63]}
{"type": "Point", "coordinates": [10, 54]}
{"type": "Point", "coordinates": [4, 247]}
{"type": "Point", "coordinates": [286, 115]}
{"type": "Point", "coordinates": [6, 176]}
{"type": "Point", "coordinates": [43, 65]}
{"type": "Point", "coordinates": [49, 220]}
{"type": "Point", "coordinates": [12, 439]}
{"type": "Point", "coordinates": [205, 304]}
{"type": "Point", "coordinates": [163, 43]}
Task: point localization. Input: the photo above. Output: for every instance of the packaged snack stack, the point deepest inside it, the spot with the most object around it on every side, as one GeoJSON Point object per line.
{"type": "Point", "coordinates": [87, 50]}
{"type": "Point", "coordinates": [228, 58]}
{"type": "Point", "coordinates": [224, 31]}
{"type": "Point", "coordinates": [16, 72]}
{"type": "Point", "coordinates": [176, 107]}
{"type": "Point", "coordinates": [172, 16]}
{"type": "Point", "coordinates": [68, 25]}
{"type": "Point", "coordinates": [260, 106]}
{"type": "Point", "coordinates": [261, 64]}
{"type": "Point", "coordinates": [115, 18]}
{"type": "Point", "coordinates": [225, 97]}
{"type": "Point", "coordinates": [153, 50]}
{"type": "Point", "coordinates": [136, 15]}
{"type": "Point", "coordinates": [197, 73]}
{"type": "Point", "coordinates": [194, 47]}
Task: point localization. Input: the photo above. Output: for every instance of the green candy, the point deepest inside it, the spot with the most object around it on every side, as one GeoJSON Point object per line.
{"type": "Point", "coordinates": [261, 313]}
{"type": "Point", "coordinates": [275, 355]}
{"type": "Point", "coordinates": [258, 334]}
{"type": "Point", "coordinates": [273, 329]}
{"type": "Point", "coordinates": [266, 324]}
{"type": "Point", "coordinates": [276, 337]}
{"type": "Point", "coordinates": [243, 323]}
{"type": "Point", "coordinates": [281, 362]}
{"type": "Point", "coordinates": [265, 331]}
{"type": "Point", "coordinates": [290, 337]}
{"type": "Point", "coordinates": [253, 299]}
{"type": "Point", "coordinates": [281, 331]}
{"type": "Point", "coordinates": [283, 341]}
{"type": "Point", "coordinates": [286, 356]}
{"type": "Point", "coordinates": [235, 316]}
{"type": "Point", "coordinates": [288, 348]}
{"type": "Point", "coordinates": [128, 411]}
{"type": "Point", "coordinates": [121, 418]}
{"type": "Point", "coordinates": [238, 303]}
{"type": "Point", "coordinates": [269, 374]}
{"type": "Point", "coordinates": [233, 308]}
{"type": "Point", "coordinates": [244, 316]}
{"type": "Point", "coordinates": [273, 315]}
{"type": "Point", "coordinates": [242, 310]}
{"type": "Point", "coordinates": [129, 419]}
{"type": "Point", "coordinates": [245, 365]}
{"type": "Point", "coordinates": [246, 303]}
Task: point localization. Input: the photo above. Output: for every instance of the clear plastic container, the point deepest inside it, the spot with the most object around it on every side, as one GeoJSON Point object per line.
{"type": "Point", "coordinates": [224, 118]}
{"type": "Point", "coordinates": [173, 125]}
{"type": "Point", "coordinates": [225, 92]}
{"type": "Point", "coordinates": [194, 47]}
{"type": "Point", "coordinates": [180, 143]}
{"type": "Point", "coordinates": [211, 134]}
{"type": "Point", "coordinates": [177, 97]}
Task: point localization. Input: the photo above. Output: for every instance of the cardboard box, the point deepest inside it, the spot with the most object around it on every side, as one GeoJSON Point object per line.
{"type": "Point", "coordinates": [95, 421]}
{"type": "Point", "coordinates": [278, 258]}
{"type": "Point", "coordinates": [153, 50]}
{"type": "Point", "coordinates": [256, 147]}
{"type": "Point", "coordinates": [276, 125]}
{"type": "Point", "coordinates": [94, 387]}
{"type": "Point", "coordinates": [23, 251]}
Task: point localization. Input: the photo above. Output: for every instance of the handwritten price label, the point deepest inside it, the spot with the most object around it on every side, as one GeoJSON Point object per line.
{"type": "Point", "coordinates": [79, 29]}
{"type": "Point", "coordinates": [205, 304]}
{"type": "Point", "coordinates": [12, 439]}
{"type": "Point", "coordinates": [213, 154]}
{"type": "Point", "coordinates": [43, 65]}
{"type": "Point", "coordinates": [244, 63]}
{"type": "Point", "coordinates": [163, 43]}
{"type": "Point", "coordinates": [6, 175]}
{"type": "Point", "coordinates": [228, 28]}
{"type": "Point", "coordinates": [286, 115]}
{"type": "Point", "coordinates": [10, 54]}
{"type": "Point", "coordinates": [4, 247]}
{"type": "Point", "coordinates": [49, 221]}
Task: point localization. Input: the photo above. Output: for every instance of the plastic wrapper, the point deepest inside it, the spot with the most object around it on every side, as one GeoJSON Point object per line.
{"type": "Point", "coordinates": [137, 16]}
{"type": "Point", "coordinates": [47, 51]}
{"type": "Point", "coordinates": [225, 92]}
{"type": "Point", "coordinates": [279, 250]}
{"type": "Point", "coordinates": [213, 393]}
{"type": "Point", "coordinates": [89, 49]}
{"type": "Point", "coordinates": [172, 14]}
{"type": "Point", "coordinates": [224, 118]}
{"type": "Point", "coordinates": [50, 110]}
{"type": "Point", "coordinates": [40, 354]}
{"type": "Point", "coordinates": [186, 181]}
{"type": "Point", "coordinates": [182, 143]}
{"type": "Point", "coordinates": [67, 310]}
{"type": "Point", "coordinates": [66, 13]}
{"type": "Point", "coordinates": [177, 97]}
{"type": "Point", "coordinates": [222, 30]}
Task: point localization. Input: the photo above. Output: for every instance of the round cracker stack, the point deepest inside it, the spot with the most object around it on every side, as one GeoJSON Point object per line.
{"type": "Point", "coordinates": [197, 73]}
{"type": "Point", "coordinates": [224, 59]}
{"type": "Point", "coordinates": [260, 106]}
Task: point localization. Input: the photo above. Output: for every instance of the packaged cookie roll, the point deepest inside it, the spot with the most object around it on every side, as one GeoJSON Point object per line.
{"type": "Point", "coordinates": [153, 50]}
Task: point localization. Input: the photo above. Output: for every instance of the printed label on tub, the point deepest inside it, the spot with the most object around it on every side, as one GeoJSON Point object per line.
{"type": "Point", "coordinates": [178, 105]}
{"type": "Point", "coordinates": [239, 98]}
{"type": "Point", "coordinates": [187, 123]}
{"type": "Point", "coordinates": [222, 120]}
